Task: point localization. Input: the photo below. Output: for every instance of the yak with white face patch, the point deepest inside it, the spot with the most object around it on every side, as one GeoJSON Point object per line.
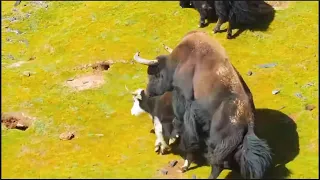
{"type": "Point", "coordinates": [156, 107]}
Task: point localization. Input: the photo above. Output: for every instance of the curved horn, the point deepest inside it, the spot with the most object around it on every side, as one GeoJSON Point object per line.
{"type": "Point", "coordinates": [140, 60]}
{"type": "Point", "coordinates": [167, 48]}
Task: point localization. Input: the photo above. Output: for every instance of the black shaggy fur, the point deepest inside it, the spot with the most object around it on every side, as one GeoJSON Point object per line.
{"type": "Point", "coordinates": [216, 117]}
{"type": "Point", "coordinates": [185, 4]}
{"type": "Point", "coordinates": [206, 10]}
{"type": "Point", "coordinates": [254, 15]}
{"type": "Point", "coordinates": [243, 14]}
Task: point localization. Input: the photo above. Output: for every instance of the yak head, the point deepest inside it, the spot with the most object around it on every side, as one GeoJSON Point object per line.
{"type": "Point", "coordinates": [160, 74]}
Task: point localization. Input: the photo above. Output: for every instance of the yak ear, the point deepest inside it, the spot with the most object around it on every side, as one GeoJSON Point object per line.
{"type": "Point", "coordinates": [153, 69]}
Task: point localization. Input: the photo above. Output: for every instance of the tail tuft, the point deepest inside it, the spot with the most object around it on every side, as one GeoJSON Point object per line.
{"type": "Point", "coordinates": [256, 157]}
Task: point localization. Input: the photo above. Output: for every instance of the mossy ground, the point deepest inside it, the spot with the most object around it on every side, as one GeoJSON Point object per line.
{"type": "Point", "coordinates": [69, 34]}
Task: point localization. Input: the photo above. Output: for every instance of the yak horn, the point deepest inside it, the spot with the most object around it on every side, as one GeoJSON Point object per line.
{"type": "Point", "coordinates": [140, 60]}
{"type": "Point", "coordinates": [167, 48]}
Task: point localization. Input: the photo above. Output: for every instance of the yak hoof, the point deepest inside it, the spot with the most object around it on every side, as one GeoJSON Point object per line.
{"type": "Point", "coordinates": [164, 149]}
{"type": "Point", "coordinates": [183, 169]}
{"type": "Point", "coordinates": [157, 148]}
{"type": "Point", "coordinates": [201, 25]}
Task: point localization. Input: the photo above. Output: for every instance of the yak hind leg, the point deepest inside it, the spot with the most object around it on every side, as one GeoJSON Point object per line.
{"type": "Point", "coordinates": [215, 171]}
{"type": "Point", "coordinates": [221, 148]}
{"type": "Point", "coordinates": [187, 163]}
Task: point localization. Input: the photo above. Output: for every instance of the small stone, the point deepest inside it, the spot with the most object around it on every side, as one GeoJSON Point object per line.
{"type": "Point", "coordinates": [32, 58]}
{"type": "Point", "coordinates": [66, 136]}
{"type": "Point", "coordinates": [194, 176]}
{"type": "Point", "coordinates": [269, 65]}
{"type": "Point", "coordinates": [9, 40]}
{"type": "Point", "coordinates": [85, 82]}
{"type": "Point", "coordinates": [164, 171]}
{"type": "Point", "coordinates": [10, 57]}
{"type": "Point", "coordinates": [100, 135]}
{"type": "Point", "coordinates": [309, 84]}
{"type": "Point", "coordinates": [274, 92]}
{"type": "Point", "coordinates": [70, 79]}
{"type": "Point", "coordinates": [249, 73]}
{"type": "Point", "coordinates": [299, 95]}
{"type": "Point", "coordinates": [173, 163]}
{"type": "Point", "coordinates": [310, 107]}
{"type": "Point", "coordinates": [26, 73]}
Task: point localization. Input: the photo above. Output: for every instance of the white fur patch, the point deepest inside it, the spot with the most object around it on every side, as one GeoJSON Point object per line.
{"type": "Point", "coordinates": [136, 110]}
{"type": "Point", "coordinates": [186, 163]}
{"type": "Point", "coordinates": [158, 132]}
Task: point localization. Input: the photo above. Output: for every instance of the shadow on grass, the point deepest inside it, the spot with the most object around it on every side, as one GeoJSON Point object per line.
{"type": "Point", "coordinates": [280, 131]}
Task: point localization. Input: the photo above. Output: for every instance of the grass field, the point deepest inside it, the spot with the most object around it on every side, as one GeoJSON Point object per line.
{"type": "Point", "coordinates": [66, 35]}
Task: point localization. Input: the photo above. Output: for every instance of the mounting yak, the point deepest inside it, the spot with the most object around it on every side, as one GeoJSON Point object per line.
{"type": "Point", "coordinates": [239, 14]}
{"type": "Point", "coordinates": [213, 106]}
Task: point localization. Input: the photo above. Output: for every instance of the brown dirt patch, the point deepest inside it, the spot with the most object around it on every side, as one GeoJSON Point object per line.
{"type": "Point", "coordinates": [173, 172]}
{"type": "Point", "coordinates": [66, 136]}
{"type": "Point", "coordinates": [86, 82]}
{"type": "Point", "coordinates": [100, 65]}
{"type": "Point", "coordinates": [16, 120]}
{"type": "Point", "coordinates": [17, 64]}
{"type": "Point", "coordinates": [279, 5]}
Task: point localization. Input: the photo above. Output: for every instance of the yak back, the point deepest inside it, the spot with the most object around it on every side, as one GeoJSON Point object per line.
{"type": "Point", "coordinates": [205, 74]}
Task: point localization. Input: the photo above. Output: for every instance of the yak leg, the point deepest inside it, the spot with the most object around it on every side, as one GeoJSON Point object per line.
{"type": "Point", "coordinates": [215, 171]}
{"type": "Point", "coordinates": [202, 21]}
{"type": "Point", "coordinates": [218, 25]}
{"type": "Point", "coordinates": [221, 147]}
{"type": "Point", "coordinates": [160, 138]}
{"type": "Point", "coordinates": [187, 162]}
{"type": "Point", "coordinates": [190, 136]}
{"type": "Point", "coordinates": [229, 30]}
{"type": "Point", "coordinates": [157, 145]}
{"type": "Point", "coordinates": [175, 132]}
{"type": "Point", "coordinates": [179, 108]}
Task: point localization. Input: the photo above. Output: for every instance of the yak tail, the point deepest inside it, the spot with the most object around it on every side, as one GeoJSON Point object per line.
{"type": "Point", "coordinates": [256, 156]}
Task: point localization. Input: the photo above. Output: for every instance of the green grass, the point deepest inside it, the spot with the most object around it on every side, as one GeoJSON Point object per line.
{"type": "Point", "coordinates": [69, 34]}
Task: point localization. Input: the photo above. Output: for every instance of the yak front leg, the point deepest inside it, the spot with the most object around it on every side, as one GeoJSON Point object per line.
{"type": "Point", "coordinates": [202, 21]}
{"type": "Point", "coordinates": [218, 25]}
{"type": "Point", "coordinates": [160, 139]}
{"type": "Point", "coordinates": [215, 172]}
{"type": "Point", "coordinates": [187, 162]}
{"type": "Point", "coordinates": [229, 30]}
{"type": "Point", "coordinates": [176, 131]}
